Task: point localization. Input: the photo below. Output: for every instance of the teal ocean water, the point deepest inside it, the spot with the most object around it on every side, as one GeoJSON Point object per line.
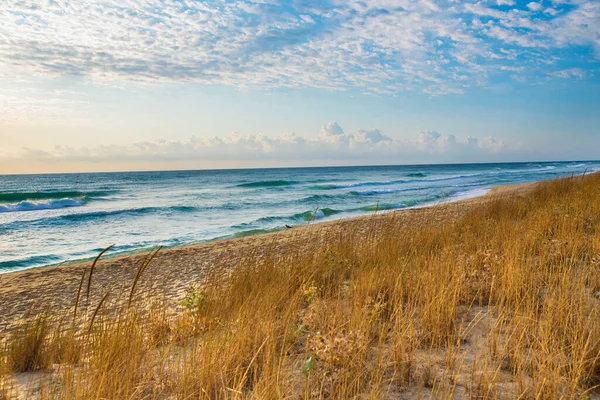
{"type": "Point", "coordinates": [49, 219]}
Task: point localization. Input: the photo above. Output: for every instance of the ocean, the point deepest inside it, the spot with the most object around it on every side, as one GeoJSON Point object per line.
{"type": "Point", "coordinates": [50, 219]}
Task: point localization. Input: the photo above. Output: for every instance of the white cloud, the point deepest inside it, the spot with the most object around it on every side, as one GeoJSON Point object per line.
{"type": "Point", "coordinates": [332, 129]}
{"type": "Point", "coordinates": [435, 143]}
{"type": "Point", "coordinates": [576, 73]}
{"type": "Point", "coordinates": [333, 144]}
{"type": "Point", "coordinates": [373, 136]}
{"type": "Point", "coordinates": [512, 36]}
{"type": "Point", "coordinates": [427, 138]}
{"type": "Point", "coordinates": [492, 145]}
{"type": "Point", "coordinates": [380, 46]}
{"type": "Point", "coordinates": [332, 133]}
{"type": "Point", "coordinates": [533, 6]}
{"type": "Point", "coordinates": [580, 27]}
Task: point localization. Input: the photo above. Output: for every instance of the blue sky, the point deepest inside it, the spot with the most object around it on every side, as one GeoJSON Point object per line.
{"type": "Point", "coordinates": [161, 84]}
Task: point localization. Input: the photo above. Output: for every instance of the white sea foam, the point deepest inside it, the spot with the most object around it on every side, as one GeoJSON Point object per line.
{"type": "Point", "coordinates": [467, 194]}
{"type": "Point", "coordinates": [40, 205]}
{"type": "Point", "coordinates": [319, 214]}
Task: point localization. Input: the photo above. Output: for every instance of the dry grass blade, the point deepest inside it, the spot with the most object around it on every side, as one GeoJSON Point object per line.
{"type": "Point", "coordinates": [252, 362]}
{"type": "Point", "coordinates": [77, 299]}
{"type": "Point", "coordinates": [143, 265]}
{"type": "Point", "coordinates": [97, 310]}
{"type": "Point", "coordinates": [89, 285]}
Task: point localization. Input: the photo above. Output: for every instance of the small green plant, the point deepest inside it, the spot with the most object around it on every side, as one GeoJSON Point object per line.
{"type": "Point", "coordinates": [310, 292]}
{"type": "Point", "coordinates": [194, 302]}
{"type": "Point", "coordinates": [298, 330]}
{"type": "Point", "coordinates": [309, 366]}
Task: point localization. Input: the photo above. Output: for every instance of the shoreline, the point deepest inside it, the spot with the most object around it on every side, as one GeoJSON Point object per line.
{"type": "Point", "coordinates": [174, 270]}
{"type": "Point", "coordinates": [489, 191]}
{"type": "Point", "coordinates": [479, 192]}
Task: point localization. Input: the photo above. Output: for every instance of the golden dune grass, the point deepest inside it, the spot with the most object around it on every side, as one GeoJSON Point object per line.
{"type": "Point", "coordinates": [500, 300]}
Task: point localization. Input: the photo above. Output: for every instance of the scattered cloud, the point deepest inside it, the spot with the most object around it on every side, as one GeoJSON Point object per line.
{"type": "Point", "coordinates": [333, 133]}
{"type": "Point", "coordinates": [382, 46]}
{"type": "Point", "coordinates": [533, 6]}
{"type": "Point", "coordinates": [332, 144]}
{"type": "Point", "coordinates": [571, 73]}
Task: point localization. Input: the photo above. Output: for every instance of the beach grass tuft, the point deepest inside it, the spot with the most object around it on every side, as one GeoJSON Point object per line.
{"type": "Point", "coordinates": [29, 350]}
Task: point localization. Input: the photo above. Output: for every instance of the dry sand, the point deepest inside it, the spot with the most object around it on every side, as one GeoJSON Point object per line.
{"type": "Point", "coordinates": [173, 270]}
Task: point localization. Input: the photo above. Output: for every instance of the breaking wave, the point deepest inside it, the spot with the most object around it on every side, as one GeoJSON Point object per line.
{"type": "Point", "coordinates": [41, 205]}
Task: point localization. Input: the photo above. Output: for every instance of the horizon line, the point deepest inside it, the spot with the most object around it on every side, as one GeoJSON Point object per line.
{"type": "Point", "coordinates": [294, 167]}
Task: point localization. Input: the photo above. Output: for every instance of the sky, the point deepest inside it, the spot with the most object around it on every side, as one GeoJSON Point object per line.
{"type": "Point", "coordinates": [109, 85]}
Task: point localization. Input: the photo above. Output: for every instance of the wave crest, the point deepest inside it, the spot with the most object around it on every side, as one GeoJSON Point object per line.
{"type": "Point", "coordinates": [383, 207]}
{"type": "Point", "coordinates": [331, 186]}
{"type": "Point", "coordinates": [41, 205]}
{"type": "Point", "coordinates": [17, 197]}
{"type": "Point", "coordinates": [265, 184]}
{"type": "Point", "coordinates": [316, 214]}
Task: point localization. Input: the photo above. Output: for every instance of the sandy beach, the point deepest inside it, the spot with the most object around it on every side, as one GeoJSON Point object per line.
{"type": "Point", "coordinates": [452, 300]}
{"type": "Point", "coordinates": [173, 270]}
